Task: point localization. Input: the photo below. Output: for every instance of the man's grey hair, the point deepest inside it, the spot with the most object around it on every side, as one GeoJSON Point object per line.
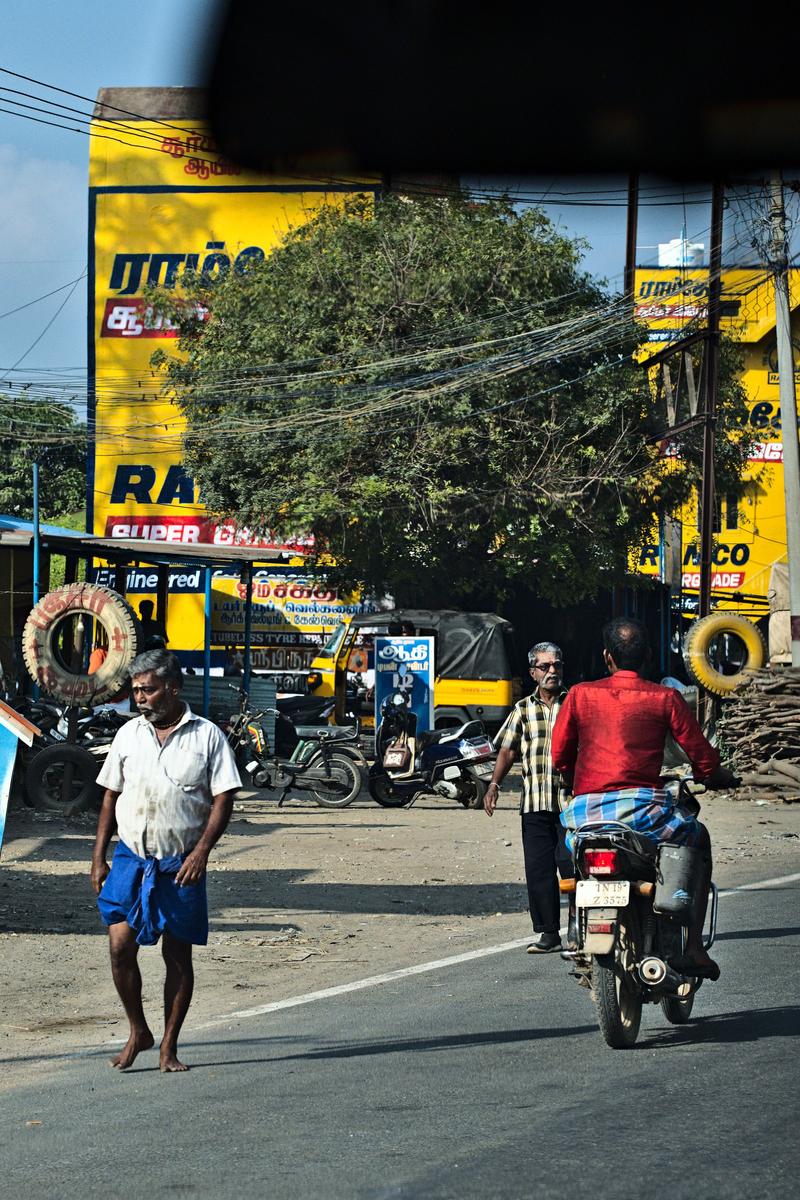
{"type": "Point", "coordinates": [544, 648]}
{"type": "Point", "coordinates": [162, 663]}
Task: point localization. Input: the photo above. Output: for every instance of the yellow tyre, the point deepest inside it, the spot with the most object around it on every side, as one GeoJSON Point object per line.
{"type": "Point", "coordinates": [697, 648]}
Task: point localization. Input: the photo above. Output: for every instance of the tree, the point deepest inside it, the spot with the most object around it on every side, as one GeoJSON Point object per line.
{"type": "Point", "coordinates": [51, 433]}
{"type": "Point", "coordinates": [435, 390]}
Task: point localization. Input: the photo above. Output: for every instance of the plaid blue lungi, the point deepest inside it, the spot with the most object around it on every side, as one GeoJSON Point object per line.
{"type": "Point", "coordinates": [143, 892]}
{"type": "Point", "coordinates": [650, 811]}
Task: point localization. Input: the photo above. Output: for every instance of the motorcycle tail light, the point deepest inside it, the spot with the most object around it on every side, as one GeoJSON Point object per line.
{"type": "Point", "coordinates": [600, 862]}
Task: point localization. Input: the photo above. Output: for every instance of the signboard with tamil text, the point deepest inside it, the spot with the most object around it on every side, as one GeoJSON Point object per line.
{"type": "Point", "coordinates": [405, 664]}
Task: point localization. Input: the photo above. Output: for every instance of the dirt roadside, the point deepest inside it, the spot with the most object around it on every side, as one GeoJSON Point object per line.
{"type": "Point", "coordinates": [301, 899]}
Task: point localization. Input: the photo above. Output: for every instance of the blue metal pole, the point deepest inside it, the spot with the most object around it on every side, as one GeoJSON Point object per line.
{"type": "Point", "coordinates": [207, 647]}
{"type": "Point", "coordinates": [248, 628]}
{"type": "Point", "coordinates": [37, 549]}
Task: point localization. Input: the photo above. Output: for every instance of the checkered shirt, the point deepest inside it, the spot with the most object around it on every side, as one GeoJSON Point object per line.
{"type": "Point", "coordinates": [527, 731]}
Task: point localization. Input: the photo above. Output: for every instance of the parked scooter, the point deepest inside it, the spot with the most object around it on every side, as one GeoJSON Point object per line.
{"type": "Point", "coordinates": [456, 763]}
{"type": "Point", "coordinates": [634, 903]}
{"type": "Point", "coordinates": [307, 715]}
{"type": "Point", "coordinates": [319, 762]}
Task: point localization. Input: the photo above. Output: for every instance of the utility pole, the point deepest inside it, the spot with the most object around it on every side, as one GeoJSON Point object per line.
{"type": "Point", "coordinates": [631, 232]}
{"type": "Point", "coordinates": [712, 381]}
{"type": "Point", "coordinates": [37, 535]}
{"type": "Point", "coordinates": [788, 401]}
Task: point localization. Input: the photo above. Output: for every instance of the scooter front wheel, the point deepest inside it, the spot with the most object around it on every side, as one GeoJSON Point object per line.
{"type": "Point", "coordinates": [382, 792]}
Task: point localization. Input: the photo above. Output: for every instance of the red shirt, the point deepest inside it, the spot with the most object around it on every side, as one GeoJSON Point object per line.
{"type": "Point", "coordinates": [611, 734]}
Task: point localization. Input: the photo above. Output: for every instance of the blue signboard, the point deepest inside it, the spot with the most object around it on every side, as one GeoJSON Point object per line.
{"type": "Point", "coordinates": [13, 729]}
{"type": "Point", "coordinates": [405, 664]}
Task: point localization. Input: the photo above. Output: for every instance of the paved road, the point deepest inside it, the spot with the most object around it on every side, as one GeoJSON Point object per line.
{"type": "Point", "coordinates": [485, 1079]}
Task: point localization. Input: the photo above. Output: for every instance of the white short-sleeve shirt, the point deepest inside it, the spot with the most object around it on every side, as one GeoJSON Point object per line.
{"type": "Point", "coordinates": [165, 792]}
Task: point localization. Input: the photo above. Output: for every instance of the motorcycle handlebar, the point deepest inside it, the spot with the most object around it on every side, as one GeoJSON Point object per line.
{"type": "Point", "coordinates": [709, 784]}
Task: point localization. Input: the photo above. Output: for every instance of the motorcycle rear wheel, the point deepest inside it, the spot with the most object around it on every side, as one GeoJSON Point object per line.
{"type": "Point", "coordinates": [677, 1011]}
{"type": "Point", "coordinates": [617, 998]}
{"type": "Point", "coordinates": [381, 791]}
{"type": "Point", "coordinates": [472, 791]}
{"type": "Point", "coordinates": [343, 786]}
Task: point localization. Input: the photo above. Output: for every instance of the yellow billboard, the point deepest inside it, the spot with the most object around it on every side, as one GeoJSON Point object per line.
{"type": "Point", "coordinates": [750, 533]}
{"type": "Point", "coordinates": [163, 202]}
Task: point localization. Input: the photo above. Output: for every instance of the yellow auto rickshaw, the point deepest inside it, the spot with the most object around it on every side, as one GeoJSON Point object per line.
{"type": "Point", "coordinates": [474, 655]}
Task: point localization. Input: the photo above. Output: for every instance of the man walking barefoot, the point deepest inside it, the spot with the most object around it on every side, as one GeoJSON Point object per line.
{"type": "Point", "coordinates": [169, 779]}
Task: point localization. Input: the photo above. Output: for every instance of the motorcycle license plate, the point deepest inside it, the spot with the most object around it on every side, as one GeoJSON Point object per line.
{"type": "Point", "coordinates": [484, 770]}
{"type": "Point", "coordinates": [602, 893]}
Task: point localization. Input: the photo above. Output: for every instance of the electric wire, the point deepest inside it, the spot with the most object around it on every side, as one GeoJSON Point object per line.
{"type": "Point", "coordinates": [54, 317]}
{"type": "Point", "coordinates": [10, 312]}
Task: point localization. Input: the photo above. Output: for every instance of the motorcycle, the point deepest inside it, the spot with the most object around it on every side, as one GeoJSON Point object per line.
{"type": "Point", "coordinates": [634, 902]}
{"type": "Point", "coordinates": [60, 771]}
{"type": "Point", "coordinates": [320, 761]}
{"type": "Point", "coordinates": [306, 714]}
{"type": "Point", "coordinates": [456, 763]}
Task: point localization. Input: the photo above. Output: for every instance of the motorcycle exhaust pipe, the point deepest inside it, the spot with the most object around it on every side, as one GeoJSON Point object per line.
{"type": "Point", "coordinates": [652, 971]}
{"type": "Point", "coordinates": [656, 973]}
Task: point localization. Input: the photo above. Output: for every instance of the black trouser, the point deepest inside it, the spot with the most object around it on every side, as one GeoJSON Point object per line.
{"type": "Point", "coordinates": [545, 849]}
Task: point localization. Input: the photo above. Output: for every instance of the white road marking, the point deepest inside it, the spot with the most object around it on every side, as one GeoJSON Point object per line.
{"type": "Point", "coordinates": [373, 980]}
{"type": "Point", "coordinates": [437, 964]}
{"type": "Point", "coordinates": [761, 883]}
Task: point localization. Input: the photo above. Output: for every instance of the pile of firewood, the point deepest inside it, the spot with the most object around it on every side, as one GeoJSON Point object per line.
{"type": "Point", "coordinates": [759, 734]}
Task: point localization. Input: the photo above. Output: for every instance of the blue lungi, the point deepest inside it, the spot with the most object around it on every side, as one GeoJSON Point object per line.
{"type": "Point", "coordinates": [650, 811]}
{"type": "Point", "coordinates": [143, 892]}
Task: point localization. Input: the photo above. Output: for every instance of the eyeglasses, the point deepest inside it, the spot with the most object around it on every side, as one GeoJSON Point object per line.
{"type": "Point", "coordinates": [554, 666]}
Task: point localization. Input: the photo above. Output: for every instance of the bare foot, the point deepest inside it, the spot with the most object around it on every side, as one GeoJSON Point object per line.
{"type": "Point", "coordinates": [168, 1061]}
{"type": "Point", "coordinates": [142, 1039]}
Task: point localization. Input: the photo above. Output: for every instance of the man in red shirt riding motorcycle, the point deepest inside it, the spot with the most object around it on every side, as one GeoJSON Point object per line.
{"type": "Point", "coordinates": [608, 740]}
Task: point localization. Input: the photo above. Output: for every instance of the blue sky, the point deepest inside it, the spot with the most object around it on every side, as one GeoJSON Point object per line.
{"type": "Point", "coordinates": [81, 45]}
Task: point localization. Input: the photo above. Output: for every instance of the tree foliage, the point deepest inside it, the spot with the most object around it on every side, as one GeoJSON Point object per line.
{"type": "Point", "coordinates": [438, 393]}
{"type": "Point", "coordinates": [50, 433]}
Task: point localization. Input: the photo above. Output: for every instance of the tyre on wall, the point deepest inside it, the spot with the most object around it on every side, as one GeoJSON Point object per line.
{"type": "Point", "coordinates": [48, 634]}
{"type": "Point", "coordinates": [701, 652]}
